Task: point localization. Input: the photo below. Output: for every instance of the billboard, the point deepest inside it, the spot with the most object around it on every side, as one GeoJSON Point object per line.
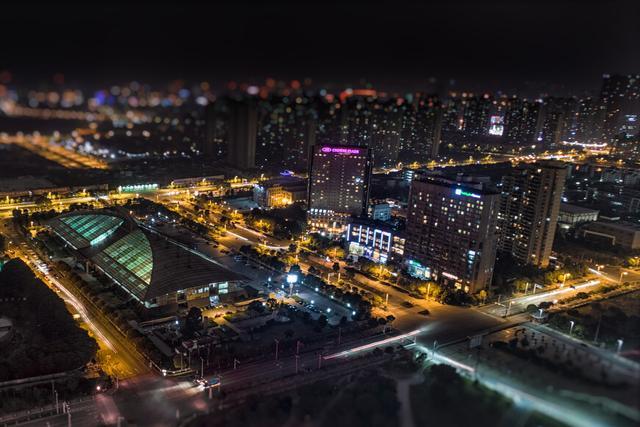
{"type": "Point", "coordinates": [496, 125]}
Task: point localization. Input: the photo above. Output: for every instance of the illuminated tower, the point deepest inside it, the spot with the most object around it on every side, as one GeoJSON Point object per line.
{"type": "Point", "coordinates": [338, 185]}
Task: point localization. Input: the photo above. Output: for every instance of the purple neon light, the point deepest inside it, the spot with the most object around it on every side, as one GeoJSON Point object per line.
{"type": "Point", "coordinates": [340, 150]}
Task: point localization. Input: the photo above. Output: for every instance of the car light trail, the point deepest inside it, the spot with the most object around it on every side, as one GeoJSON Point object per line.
{"type": "Point", "coordinates": [372, 345]}
{"type": "Point", "coordinates": [71, 299]}
{"type": "Point", "coordinates": [558, 291]}
{"type": "Point", "coordinates": [570, 416]}
{"type": "Point", "coordinates": [237, 235]}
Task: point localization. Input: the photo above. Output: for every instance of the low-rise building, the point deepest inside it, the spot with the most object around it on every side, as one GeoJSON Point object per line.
{"type": "Point", "coordinates": [153, 269]}
{"type": "Point", "coordinates": [631, 199]}
{"type": "Point", "coordinates": [380, 211]}
{"type": "Point", "coordinates": [572, 215]}
{"type": "Point", "coordinates": [374, 240]}
{"type": "Point", "coordinates": [280, 192]}
{"type": "Point", "coordinates": [624, 235]}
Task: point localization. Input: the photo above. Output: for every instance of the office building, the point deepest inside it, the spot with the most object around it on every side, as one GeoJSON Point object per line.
{"type": "Point", "coordinates": [450, 234]}
{"type": "Point", "coordinates": [339, 181]}
{"type": "Point", "coordinates": [529, 208]}
{"type": "Point", "coordinates": [242, 128]}
{"type": "Point", "coordinates": [375, 240]}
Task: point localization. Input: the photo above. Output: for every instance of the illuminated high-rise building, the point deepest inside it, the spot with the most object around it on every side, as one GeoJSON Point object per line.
{"type": "Point", "coordinates": [529, 209]}
{"type": "Point", "coordinates": [450, 235]}
{"type": "Point", "coordinates": [619, 97]}
{"type": "Point", "coordinates": [339, 180]}
{"type": "Point", "coordinates": [522, 122]}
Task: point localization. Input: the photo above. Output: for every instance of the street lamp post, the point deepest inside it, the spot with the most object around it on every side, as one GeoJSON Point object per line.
{"type": "Point", "coordinates": [571, 323]}
{"type": "Point", "coordinates": [622, 273]}
{"type": "Point", "coordinates": [506, 314]}
{"type": "Point", "coordinates": [386, 300]}
{"type": "Point", "coordinates": [277, 342]}
{"type": "Point", "coordinates": [620, 343]}
{"type": "Point", "coordinates": [564, 279]}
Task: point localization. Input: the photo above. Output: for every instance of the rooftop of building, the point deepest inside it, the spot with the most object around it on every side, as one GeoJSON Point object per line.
{"type": "Point", "coordinates": [285, 181]}
{"type": "Point", "coordinates": [464, 184]}
{"type": "Point", "coordinates": [575, 209]}
{"type": "Point", "coordinates": [621, 226]}
{"type": "Point", "coordinates": [142, 261]}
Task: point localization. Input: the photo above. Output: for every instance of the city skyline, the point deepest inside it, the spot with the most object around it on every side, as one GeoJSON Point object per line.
{"type": "Point", "coordinates": [337, 214]}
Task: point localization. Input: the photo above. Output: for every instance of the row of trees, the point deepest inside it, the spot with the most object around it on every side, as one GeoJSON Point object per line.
{"type": "Point", "coordinates": [47, 338]}
{"type": "Point", "coordinates": [283, 223]}
{"type": "Point", "coordinates": [509, 276]}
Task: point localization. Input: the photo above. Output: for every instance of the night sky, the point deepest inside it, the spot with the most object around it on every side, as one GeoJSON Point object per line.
{"type": "Point", "coordinates": [559, 46]}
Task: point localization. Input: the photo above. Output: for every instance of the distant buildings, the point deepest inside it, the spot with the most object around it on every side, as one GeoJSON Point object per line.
{"type": "Point", "coordinates": [450, 235]}
{"type": "Point", "coordinates": [242, 128]}
{"type": "Point", "coordinates": [529, 208]}
{"type": "Point", "coordinates": [619, 98]}
{"type": "Point", "coordinates": [339, 181]}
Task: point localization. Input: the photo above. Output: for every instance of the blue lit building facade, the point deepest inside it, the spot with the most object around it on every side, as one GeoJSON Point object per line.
{"type": "Point", "coordinates": [374, 240]}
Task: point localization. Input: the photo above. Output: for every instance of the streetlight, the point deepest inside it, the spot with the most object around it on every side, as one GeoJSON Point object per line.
{"type": "Point", "coordinates": [571, 323]}
{"type": "Point", "coordinates": [623, 273]}
{"type": "Point", "coordinates": [506, 314]}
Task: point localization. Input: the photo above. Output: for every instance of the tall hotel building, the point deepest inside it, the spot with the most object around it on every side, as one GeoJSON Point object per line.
{"type": "Point", "coordinates": [339, 180]}
{"type": "Point", "coordinates": [450, 236]}
{"type": "Point", "coordinates": [529, 209]}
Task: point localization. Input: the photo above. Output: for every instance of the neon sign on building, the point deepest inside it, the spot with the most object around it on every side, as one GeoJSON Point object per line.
{"type": "Point", "coordinates": [340, 150]}
{"type": "Point", "coordinates": [461, 192]}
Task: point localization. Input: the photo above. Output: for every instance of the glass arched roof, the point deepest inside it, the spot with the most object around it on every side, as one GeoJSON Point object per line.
{"type": "Point", "coordinates": [129, 261]}
{"type": "Point", "coordinates": [88, 230]}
